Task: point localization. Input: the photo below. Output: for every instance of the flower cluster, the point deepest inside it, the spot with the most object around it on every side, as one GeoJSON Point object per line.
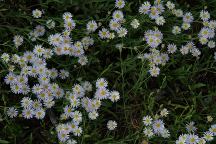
{"type": "Point", "coordinates": [155, 126]}
{"type": "Point", "coordinates": [153, 11]}
{"type": "Point", "coordinates": [115, 24]}
{"type": "Point", "coordinates": [193, 138]}
{"type": "Point", "coordinates": [154, 38]}
{"type": "Point", "coordinates": [77, 98]}
{"type": "Point", "coordinates": [156, 58]}
{"type": "Point", "coordinates": [45, 91]}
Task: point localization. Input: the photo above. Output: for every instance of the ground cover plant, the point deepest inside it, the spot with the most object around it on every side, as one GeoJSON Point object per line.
{"type": "Point", "coordinates": [107, 71]}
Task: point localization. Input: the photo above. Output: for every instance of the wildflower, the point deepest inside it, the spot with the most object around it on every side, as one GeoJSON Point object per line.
{"type": "Point", "coordinates": [93, 115]}
{"type": "Point", "coordinates": [145, 8]}
{"type": "Point", "coordinates": [77, 117]}
{"type": "Point", "coordinates": [119, 4]}
{"type": "Point", "coordinates": [102, 93]}
{"type": "Point", "coordinates": [50, 24]}
{"type": "Point", "coordinates": [192, 139]}
{"type": "Point", "coordinates": [49, 103]}
{"type": "Point", "coordinates": [212, 24]}
{"type": "Point", "coordinates": [111, 125]}
{"type": "Point", "coordinates": [39, 30]}
{"type": "Point", "coordinates": [147, 120]}
{"type": "Point", "coordinates": [158, 126]}
{"type": "Point", "coordinates": [165, 133]}
{"type": "Point", "coordinates": [18, 40]}
{"type": "Point", "coordinates": [63, 74]}
{"type": "Point", "coordinates": [176, 30]}
{"type": "Point", "coordinates": [171, 48]}
{"type": "Point", "coordinates": [36, 104]}
{"type": "Point", "coordinates": [201, 141]}
{"type": "Point", "coordinates": [87, 86]}
{"type": "Point", "coordinates": [10, 78]}
{"type": "Point", "coordinates": [69, 24]}
{"type": "Point", "coordinates": [62, 136]}
{"type": "Point", "coordinates": [204, 15]}
{"type": "Point", "coordinates": [213, 129]}
{"type": "Point", "coordinates": [40, 113]}
{"type": "Point", "coordinates": [195, 52]}
{"type": "Point", "coordinates": [83, 60]}
{"type": "Point", "coordinates": [101, 83]}
{"type": "Point", "coordinates": [208, 136]}
{"type": "Point", "coordinates": [114, 24]}
{"type": "Point", "coordinates": [209, 118]}
{"type": "Point", "coordinates": [148, 132]}
{"type": "Point", "coordinates": [67, 16]}
{"type": "Point", "coordinates": [12, 112]}
{"type": "Point", "coordinates": [154, 71]}
{"type": "Point", "coordinates": [170, 5]}
{"type": "Point", "coordinates": [190, 127]}
{"type": "Point", "coordinates": [28, 113]}
{"type": "Point", "coordinates": [114, 96]}
{"type": "Point", "coordinates": [188, 17]}
{"type": "Point", "coordinates": [206, 33]}
{"type": "Point", "coordinates": [16, 89]}
{"type": "Point", "coordinates": [203, 40]}
{"type": "Point", "coordinates": [122, 32]}
{"type": "Point", "coordinates": [178, 13]}
{"type": "Point", "coordinates": [87, 41]}
{"type": "Point", "coordinates": [104, 33]}
{"type": "Point", "coordinates": [26, 102]}
{"type": "Point", "coordinates": [154, 13]}
{"type": "Point", "coordinates": [211, 44]}
{"type": "Point", "coordinates": [78, 90]}
{"type": "Point", "coordinates": [160, 20]}
{"type": "Point", "coordinates": [77, 131]}
{"type": "Point", "coordinates": [36, 13]}
{"type": "Point", "coordinates": [118, 15]}
{"type": "Point", "coordinates": [5, 57]}
{"type": "Point", "coordinates": [185, 26]}
{"type": "Point", "coordinates": [153, 38]}
{"type": "Point", "coordinates": [135, 23]}
{"type": "Point", "coordinates": [92, 26]}
{"type": "Point", "coordinates": [164, 112]}
{"type": "Point", "coordinates": [55, 39]}
{"type": "Point", "coordinates": [39, 50]}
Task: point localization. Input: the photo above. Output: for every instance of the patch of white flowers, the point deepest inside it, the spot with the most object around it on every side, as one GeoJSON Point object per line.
{"type": "Point", "coordinates": [155, 126]}
{"type": "Point", "coordinates": [193, 137]}
{"type": "Point", "coordinates": [154, 38]}
{"type": "Point", "coordinates": [45, 91]}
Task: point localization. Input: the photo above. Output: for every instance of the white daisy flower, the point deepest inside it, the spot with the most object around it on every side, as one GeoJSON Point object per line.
{"type": "Point", "coordinates": [147, 120]}
{"type": "Point", "coordinates": [93, 115]}
{"type": "Point", "coordinates": [40, 113]}
{"type": "Point", "coordinates": [118, 15]}
{"type": "Point", "coordinates": [160, 20]}
{"type": "Point", "coordinates": [135, 23]}
{"type": "Point", "coordinates": [28, 113]}
{"type": "Point", "coordinates": [111, 125]}
{"type": "Point", "coordinates": [114, 96]}
{"type": "Point", "coordinates": [18, 40]}
{"type": "Point", "coordinates": [119, 4]}
{"type": "Point", "coordinates": [92, 26]}
{"type": "Point", "coordinates": [12, 112]}
{"type": "Point", "coordinates": [36, 13]}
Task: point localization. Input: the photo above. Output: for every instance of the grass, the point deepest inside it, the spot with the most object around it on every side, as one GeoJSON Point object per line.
{"type": "Point", "coordinates": [186, 86]}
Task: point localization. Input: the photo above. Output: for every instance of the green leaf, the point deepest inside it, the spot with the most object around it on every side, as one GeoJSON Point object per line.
{"type": "Point", "coordinates": [4, 142]}
{"type": "Point", "coordinates": [197, 86]}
